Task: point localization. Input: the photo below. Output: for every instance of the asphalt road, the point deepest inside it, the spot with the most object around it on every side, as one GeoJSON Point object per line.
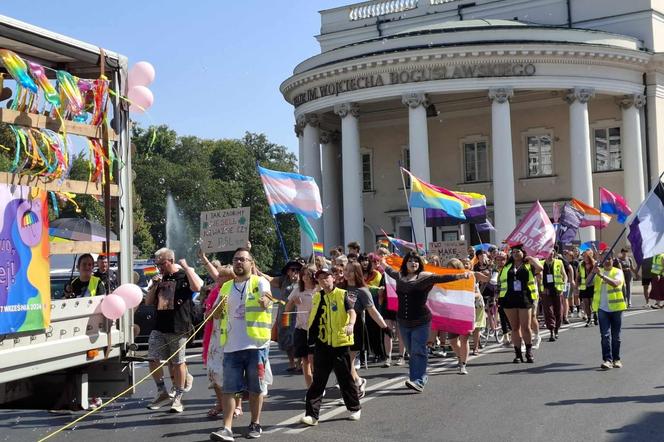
{"type": "Point", "coordinates": [562, 397]}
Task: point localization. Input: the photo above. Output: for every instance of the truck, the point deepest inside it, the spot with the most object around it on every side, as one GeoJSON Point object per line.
{"type": "Point", "coordinates": [79, 347]}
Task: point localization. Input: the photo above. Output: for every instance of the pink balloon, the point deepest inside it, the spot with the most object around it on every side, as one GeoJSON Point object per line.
{"type": "Point", "coordinates": [141, 74]}
{"type": "Point", "coordinates": [131, 294]}
{"type": "Point", "coordinates": [140, 96]}
{"type": "Point", "coordinates": [113, 307]}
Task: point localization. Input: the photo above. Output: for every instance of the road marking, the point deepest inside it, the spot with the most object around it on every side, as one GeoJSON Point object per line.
{"type": "Point", "coordinates": [394, 383]}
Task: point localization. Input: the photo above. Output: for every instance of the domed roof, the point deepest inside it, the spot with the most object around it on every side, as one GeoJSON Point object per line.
{"type": "Point", "coordinates": [461, 24]}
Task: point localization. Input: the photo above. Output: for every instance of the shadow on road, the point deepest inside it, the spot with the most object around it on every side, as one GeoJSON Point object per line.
{"type": "Point", "coordinates": [557, 367]}
{"type": "Point", "coordinates": [649, 427]}
{"type": "Point", "coordinates": [652, 399]}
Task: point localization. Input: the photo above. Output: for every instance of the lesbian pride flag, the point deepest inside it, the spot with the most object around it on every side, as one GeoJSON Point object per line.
{"type": "Point", "coordinates": [452, 304]}
{"type": "Point", "coordinates": [291, 193]}
{"type": "Point", "coordinates": [614, 204]}
{"type": "Point", "coordinates": [591, 217]}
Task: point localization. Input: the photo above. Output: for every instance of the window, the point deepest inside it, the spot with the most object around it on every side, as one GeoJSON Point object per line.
{"type": "Point", "coordinates": [608, 152]}
{"type": "Point", "coordinates": [476, 161]}
{"type": "Point", "coordinates": [540, 158]}
{"type": "Point", "coordinates": [367, 166]}
{"type": "Point", "coordinates": [405, 163]}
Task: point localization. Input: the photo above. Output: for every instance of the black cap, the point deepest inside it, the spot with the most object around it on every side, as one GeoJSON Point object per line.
{"type": "Point", "coordinates": [323, 270]}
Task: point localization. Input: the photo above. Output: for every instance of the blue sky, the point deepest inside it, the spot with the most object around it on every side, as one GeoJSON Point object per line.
{"type": "Point", "coordinates": [219, 63]}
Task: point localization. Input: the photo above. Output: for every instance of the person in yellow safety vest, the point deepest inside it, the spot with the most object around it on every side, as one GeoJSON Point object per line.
{"type": "Point", "coordinates": [517, 294]}
{"type": "Point", "coordinates": [245, 331]}
{"type": "Point", "coordinates": [657, 281]}
{"type": "Point", "coordinates": [85, 284]}
{"type": "Point", "coordinates": [609, 303]}
{"type": "Point", "coordinates": [554, 278]}
{"type": "Point", "coordinates": [331, 322]}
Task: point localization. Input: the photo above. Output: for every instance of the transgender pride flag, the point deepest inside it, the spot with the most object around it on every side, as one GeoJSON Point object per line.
{"type": "Point", "coordinates": [291, 193]}
{"type": "Point", "coordinates": [452, 304]}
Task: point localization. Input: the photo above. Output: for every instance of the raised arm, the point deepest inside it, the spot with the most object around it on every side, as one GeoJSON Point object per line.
{"type": "Point", "coordinates": [212, 270]}
{"type": "Point", "coordinates": [195, 281]}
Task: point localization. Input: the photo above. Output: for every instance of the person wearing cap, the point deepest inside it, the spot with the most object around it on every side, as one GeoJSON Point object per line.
{"type": "Point", "coordinates": [331, 322]}
{"type": "Point", "coordinates": [517, 294]}
{"type": "Point", "coordinates": [609, 303]}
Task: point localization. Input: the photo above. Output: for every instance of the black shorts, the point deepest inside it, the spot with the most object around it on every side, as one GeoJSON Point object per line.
{"type": "Point", "coordinates": [300, 346]}
{"type": "Point", "coordinates": [358, 335]}
{"type": "Point", "coordinates": [645, 282]}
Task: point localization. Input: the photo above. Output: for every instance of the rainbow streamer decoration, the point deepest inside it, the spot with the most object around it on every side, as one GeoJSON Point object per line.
{"type": "Point", "coordinates": [591, 217]}
{"type": "Point", "coordinates": [428, 196]}
{"type": "Point", "coordinates": [319, 249]}
{"type": "Point", "coordinates": [614, 204]}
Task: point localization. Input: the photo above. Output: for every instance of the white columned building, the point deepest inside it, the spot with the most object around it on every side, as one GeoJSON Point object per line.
{"type": "Point", "coordinates": [632, 149]}
{"type": "Point", "coordinates": [330, 193]}
{"type": "Point", "coordinates": [305, 244]}
{"type": "Point", "coordinates": [581, 166]}
{"type": "Point", "coordinates": [503, 166]}
{"type": "Point", "coordinates": [351, 164]}
{"type": "Point", "coordinates": [418, 143]}
{"type": "Point", "coordinates": [523, 145]}
{"type": "Point", "coordinates": [311, 141]}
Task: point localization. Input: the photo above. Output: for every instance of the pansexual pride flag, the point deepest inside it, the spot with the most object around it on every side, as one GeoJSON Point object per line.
{"type": "Point", "coordinates": [452, 304]}
{"type": "Point", "coordinates": [428, 196]}
{"type": "Point", "coordinates": [614, 204]}
{"type": "Point", "coordinates": [591, 217]}
{"type": "Point", "coordinates": [291, 193]}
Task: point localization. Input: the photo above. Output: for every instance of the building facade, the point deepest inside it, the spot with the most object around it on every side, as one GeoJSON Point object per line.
{"type": "Point", "coordinates": [520, 100]}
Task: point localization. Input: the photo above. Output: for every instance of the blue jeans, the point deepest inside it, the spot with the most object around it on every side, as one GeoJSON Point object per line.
{"type": "Point", "coordinates": [609, 328]}
{"type": "Point", "coordinates": [415, 339]}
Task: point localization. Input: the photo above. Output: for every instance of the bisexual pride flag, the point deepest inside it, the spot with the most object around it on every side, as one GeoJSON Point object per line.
{"type": "Point", "coordinates": [614, 204]}
{"type": "Point", "coordinates": [288, 192]}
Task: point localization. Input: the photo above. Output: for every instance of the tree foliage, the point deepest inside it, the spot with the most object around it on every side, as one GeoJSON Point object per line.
{"type": "Point", "coordinates": [204, 175]}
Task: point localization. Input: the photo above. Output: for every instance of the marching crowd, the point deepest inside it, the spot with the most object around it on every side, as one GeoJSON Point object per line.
{"type": "Point", "coordinates": [332, 313]}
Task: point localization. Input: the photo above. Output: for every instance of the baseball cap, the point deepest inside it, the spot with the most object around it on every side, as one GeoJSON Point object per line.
{"type": "Point", "coordinates": [323, 270]}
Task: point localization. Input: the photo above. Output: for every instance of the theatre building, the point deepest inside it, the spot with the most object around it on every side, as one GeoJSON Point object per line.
{"type": "Point", "coordinates": [520, 100]}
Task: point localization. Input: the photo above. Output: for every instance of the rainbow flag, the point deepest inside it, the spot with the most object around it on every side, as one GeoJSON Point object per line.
{"type": "Point", "coordinates": [428, 196]}
{"type": "Point", "coordinates": [318, 248]}
{"type": "Point", "coordinates": [591, 217]}
{"type": "Point", "coordinates": [614, 204]}
{"type": "Point", "coordinates": [452, 304]}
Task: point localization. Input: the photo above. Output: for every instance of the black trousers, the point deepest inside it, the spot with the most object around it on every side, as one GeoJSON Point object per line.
{"type": "Point", "coordinates": [326, 359]}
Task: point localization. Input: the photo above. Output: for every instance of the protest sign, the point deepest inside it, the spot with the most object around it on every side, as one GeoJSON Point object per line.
{"type": "Point", "coordinates": [224, 230]}
{"type": "Point", "coordinates": [449, 249]}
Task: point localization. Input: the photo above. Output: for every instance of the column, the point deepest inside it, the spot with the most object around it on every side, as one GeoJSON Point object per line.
{"type": "Point", "coordinates": [305, 244]}
{"type": "Point", "coordinates": [311, 141]}
{"type": "Point", "coordinates": [351, 170]}
{"type": "Point", "coordinates": [418, 143]}
{"type": "Point", "coordinates": [504, 201]}
{"type": "Point", "coordinates": [632, 152]}
{"type": "Point", "coordinates": [331, 173]}
{"type": "Point", "coordinates": [579, 142]}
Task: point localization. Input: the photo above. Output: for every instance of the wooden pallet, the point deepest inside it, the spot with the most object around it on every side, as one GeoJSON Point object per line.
{"type": "Point", "coordinates": [38, 121]}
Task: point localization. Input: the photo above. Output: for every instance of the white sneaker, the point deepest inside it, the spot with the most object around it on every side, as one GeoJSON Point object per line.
{"type": "Point", "coordinates": [362, 386]}
{"type": "Point", "coordinates": [387, 363]}
{"type": "Point", "coordinates": [399, 362]}
{"type": "Point", "coordinates": [462, 369]}
{"type": "Point", "coordinates": [188, 382]}
{"type": "Point", "coordinates": [308, 420]}
{"type": "Point", "coordinates": [606, 365]}
{"type": "Point", "coordinates": [537, 341]}
{"type": "Point", "coordinates": [176, 406]}
{"type": "Point", "coordinates": [355, 415]}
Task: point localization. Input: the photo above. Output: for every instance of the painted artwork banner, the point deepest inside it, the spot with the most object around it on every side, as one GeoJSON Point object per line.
{"type": "Point", "coordinates": [25, 291]}
{"type": "Point", "coordinates": [224, 230]}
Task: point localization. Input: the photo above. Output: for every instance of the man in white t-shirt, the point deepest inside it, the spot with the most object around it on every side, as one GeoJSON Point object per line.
{"type": "Point", "coordinates": [245, 332]}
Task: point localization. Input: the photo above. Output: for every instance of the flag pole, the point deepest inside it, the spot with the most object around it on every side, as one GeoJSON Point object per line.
{"type": "Point", "coordinates": [410, 213]}
{"type": "Point", "coordinates": [276, 223]}
{"type": "Point", "coordinates": [600, 219]}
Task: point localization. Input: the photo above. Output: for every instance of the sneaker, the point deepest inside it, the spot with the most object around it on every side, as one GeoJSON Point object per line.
{"type": "Point", "coordinates": [606, 365]}
{"type": "Point", "coordinates": [617, 364]}
{"type": "Point", "coordinates": [399, 362]}
{"type": "Point", "coordinates": [362, 386]}
{"type": "Point", "coordinates": [254, 430]}
{"type": "Point", "coordinates": [439, 353]}
{"type": "Point", "coordinates": [188, 382]}
{"type": "Point", "coordinates": [414, 385]}
{"type": "Point", "coordinates": [162, 399]}
{"type": "Point", "coordinates": [176, 406]}
{"type": "Point", "coordinates": [355, 415]}
{"type": "Point", "coordinates": [309, 420]}
{"type": "Point", "coordinates": [387, 363]}
{"type": "Point", "coordinates": [223, 434]}
{"type": "Point", "coordinates": [462, 369]}
{"type": "Point", "coordinates": [537, 341]}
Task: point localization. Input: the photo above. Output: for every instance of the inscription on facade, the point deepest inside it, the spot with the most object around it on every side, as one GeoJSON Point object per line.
{"type": "Point", "coordinates": [414, 76]}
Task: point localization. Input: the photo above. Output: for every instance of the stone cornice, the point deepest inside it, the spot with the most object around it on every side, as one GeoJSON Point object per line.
{"type": "Point", "coordinates": [429, 58]}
